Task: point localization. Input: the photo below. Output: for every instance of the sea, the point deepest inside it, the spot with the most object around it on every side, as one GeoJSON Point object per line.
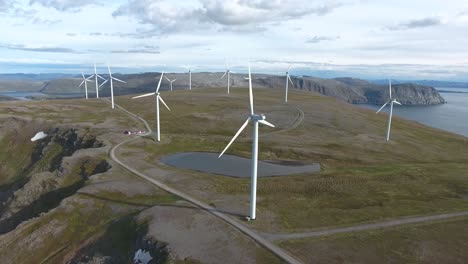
{"type": "Point", "coordinates": [452, 116]}
{"type": "Point", "coordinates": [20, 95]}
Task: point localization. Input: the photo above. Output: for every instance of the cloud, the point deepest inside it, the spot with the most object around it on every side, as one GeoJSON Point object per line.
{"type": "Point", "coordinates": [6, 5]}
{"type": "Point", "coordinates": [142, 50]}
{"type": "Point", "coordinates": [235, 15]}
{"type": "Point", "coordinates": [37, 49]}
{"type": "Point", "coordinates": [65, 5]}
{"type": "Point", "coordinates": [317, 39]}
{"type": "Point", "coordinates": [419, 23]}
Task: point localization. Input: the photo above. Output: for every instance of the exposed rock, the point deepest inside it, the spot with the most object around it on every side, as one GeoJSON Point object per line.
{"type": "Point", "coordinates": [51, 175]}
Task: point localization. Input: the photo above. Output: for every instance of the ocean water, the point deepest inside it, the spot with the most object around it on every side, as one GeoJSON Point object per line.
{"type": "Point", "coordinates": [452, 116]}
{"type": "Point", "coordinates": [20, 95]}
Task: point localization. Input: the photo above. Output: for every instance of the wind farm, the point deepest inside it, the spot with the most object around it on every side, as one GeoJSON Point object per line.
{"type": "Point", "coordinates": [165, 132]}
{"type": "Point", "coordinates": [271, 203]}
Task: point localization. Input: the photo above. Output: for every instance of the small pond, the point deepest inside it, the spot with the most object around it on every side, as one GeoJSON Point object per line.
{"type": "Point", "coordinates": [235, 166]}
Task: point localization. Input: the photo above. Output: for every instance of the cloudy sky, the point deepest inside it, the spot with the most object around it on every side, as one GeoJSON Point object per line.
{"type": "Point", "coordinates": [363, 38]}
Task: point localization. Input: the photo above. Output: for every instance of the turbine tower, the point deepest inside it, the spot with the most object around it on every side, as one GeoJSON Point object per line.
{"type": "Point", "coordinates": [190, 79]}
{"type": "Point", "coordinates": [288, 80]}
{"type": "Point", "coordinates": [85, 82]}
{"type": "Point", "coordinates": [111, 79]}
{"type": "Point", "coordinates": [228, 73]}
{"type": "Point", "coordinates": [391, 100]}
{"type": "Point", "coordinates": [171, 82]}
{"type": "Point", "coordinates": [255, 119]}
{"type": "Point", "coordinates": [158, 98]}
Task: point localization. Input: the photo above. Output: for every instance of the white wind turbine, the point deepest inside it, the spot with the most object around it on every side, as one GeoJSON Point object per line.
{"type": "Point", "coordinates": [111, 84]}
{"type": "Point", "coordinates": [85, 82]}
{"type": "Point", "coordinates": [190, 78]}
{"type": "Point", "coordinates": [171, 82]}
{"type": "Point", "coordinates": [391, 100]}
{"type": "Point", "coordinates": [255, 119]}
{"type": "Point", "coordinates": [96, 76]}
{"type": "Point", "coordinates": [158, 98]}
{"type": "Point", "coordinates": [228, 73]}
{"type": "Point", "coordinates": [288, 80]}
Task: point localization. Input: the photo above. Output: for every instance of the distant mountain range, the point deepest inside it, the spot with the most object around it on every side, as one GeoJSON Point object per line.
{"type": "Point", "coordinates": [34, 77]}
{"type": "Point", "coordinates": [352, 90]}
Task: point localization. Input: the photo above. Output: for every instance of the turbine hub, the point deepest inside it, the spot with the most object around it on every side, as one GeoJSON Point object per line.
{"type": "Point", "coordinates": [255, 117]}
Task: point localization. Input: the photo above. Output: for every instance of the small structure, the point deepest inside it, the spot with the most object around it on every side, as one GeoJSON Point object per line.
{"type": "Point", "coordinates": [39, 136]}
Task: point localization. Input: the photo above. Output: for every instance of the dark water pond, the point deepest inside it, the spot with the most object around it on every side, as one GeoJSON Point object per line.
{"type": "Point", "coordinates": [235, 166]}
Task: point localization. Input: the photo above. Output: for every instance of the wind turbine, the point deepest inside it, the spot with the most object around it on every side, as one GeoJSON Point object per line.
{"type": "Point", "coordinates": [111, 84]}
{"type": "Point", "coordinates": [228, 73]}
{"type": "Point", "coordinates": [96, 76]}
{"type": "Point", "coordinates": [170, 81]}
{"type": "Point", "coordinates": [158, 98]}
{"type": "Point", "coordinates": [85, 82]}
{"type": "Point", "coordinates": [255, 119]}
{"type": "Point", "coordinates": [391, 100]}
{"type": "Point", "coordinates": [288, 80]}
{"type": "Point", "coordinates": [190, 78]}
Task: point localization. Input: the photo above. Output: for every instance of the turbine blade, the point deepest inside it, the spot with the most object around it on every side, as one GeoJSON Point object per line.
{"type": "Point", "coordinates": [90, 77]}
{"type": "Point", "coordinates": [167, 79]}
{"type": "Point", "coordinates": [289, 67]}
{"type": "Point", "coordinates": [82, 75]}
{"type": "Point", "coordinates": [289, 78]}
{"type": "Point", "coordinates": [235, 136]}
{"type": "Point", "coordinates": [396, 102]}
{"type": "Point", "coordinates": [382, 107]}
{"type": "Point", "coordinates": [143, 95]}
{"type": "Point", "coordinates": [118, 80]}
{"type": "Point", "coordinates": [164, 103]}
{"type": "Point", "coordinates": [266, 123]}
{"type": "Point", "coordinates": [223, 75]}
{"type": "Point", "coordinates": [174, 80]}
{"type": "Point", "coordinates": [102, 78]}
{"type": "Point", "coordinates": [250, 92]}
{"type": "Point", "coordinates": [160, 80]}
{"type": "Point", "coordinates": [81, 83]}
{"type": "Point", "coordinates": [103, 83]}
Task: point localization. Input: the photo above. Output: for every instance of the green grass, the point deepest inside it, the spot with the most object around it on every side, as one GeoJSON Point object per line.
{"type": "Point", "coordinates": [440, 242]}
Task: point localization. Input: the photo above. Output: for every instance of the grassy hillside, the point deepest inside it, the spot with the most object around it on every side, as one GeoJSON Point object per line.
{"type": "Point", "coordinates": [421, 171]}
{"type": "Point", "coordinates": [364, 179]}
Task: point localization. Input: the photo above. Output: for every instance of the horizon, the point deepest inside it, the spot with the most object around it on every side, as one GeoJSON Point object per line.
{"type": "Point", "coordinates": [384, 40]}
{"type": "Point", "coordinates": [323, 75]}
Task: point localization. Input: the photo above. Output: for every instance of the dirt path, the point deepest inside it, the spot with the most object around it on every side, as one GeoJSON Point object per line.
{"type": "Point", "coordinates": [363, 227]}
{"type": "Point", "coordinates": [294, 124]}
{"type": "Point", "coordinates": [244, 229]}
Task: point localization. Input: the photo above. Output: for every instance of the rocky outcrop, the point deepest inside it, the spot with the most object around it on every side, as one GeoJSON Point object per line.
{"type": "Point", "coordinates": [54, 171]}
{"type": "Point", "coordinates": [407, 94]}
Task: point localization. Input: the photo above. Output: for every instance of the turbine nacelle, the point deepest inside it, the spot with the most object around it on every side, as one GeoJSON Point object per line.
{"type": "Point", "coordinates": [256, 117]}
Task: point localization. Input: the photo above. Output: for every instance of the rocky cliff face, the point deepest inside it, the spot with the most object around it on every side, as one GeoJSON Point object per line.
{"type": "Point", "coordinates": [351, 90]}
{"type": "Point", "coordinates": [407, 94]}
{"type": "Point", "coordinates": [53, 169]}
